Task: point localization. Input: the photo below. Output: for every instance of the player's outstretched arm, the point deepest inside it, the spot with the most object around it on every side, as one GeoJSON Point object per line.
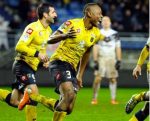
{"type": "Point", "coordinates": [137, 70]}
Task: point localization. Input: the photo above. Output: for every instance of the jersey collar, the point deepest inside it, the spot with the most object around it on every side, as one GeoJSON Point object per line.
{"type": "Point", "coordinates": [40, 26]}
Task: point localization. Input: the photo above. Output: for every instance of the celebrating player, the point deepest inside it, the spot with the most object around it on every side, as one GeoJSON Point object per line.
{"type": "Point", "coordinates": [71, 52]}
{"type": "Point", "coordinates": [31, 50]}
{"type": "Point", "coordinates": [143, 96]}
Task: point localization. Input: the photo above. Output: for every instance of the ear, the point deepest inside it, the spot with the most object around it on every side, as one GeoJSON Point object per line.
{"type": "Point", "coordinates": [45, 15]}
{"type": "Point", "coordinates": [89, 14]}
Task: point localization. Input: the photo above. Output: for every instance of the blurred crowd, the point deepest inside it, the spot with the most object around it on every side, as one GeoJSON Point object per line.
{"type": "Point", "coordinates": [126, 15]}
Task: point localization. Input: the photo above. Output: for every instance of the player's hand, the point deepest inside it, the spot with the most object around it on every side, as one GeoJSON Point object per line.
{"type": "Point", "coordinates": [71, 33]}
{"type": "Point", "coordinates": [136, 71]}
{"type": "Point", "coordinates": [79, 81]}
{"type": "Point", "coordinates": [118, 65]}
{"type": "Point", "coordinates": [43, 57]}
{"type": "Point", "coordinates": [46, 64]}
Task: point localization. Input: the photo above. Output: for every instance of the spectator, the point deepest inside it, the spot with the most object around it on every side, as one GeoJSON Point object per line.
{"type": "Point", "coordinates": [3, 33]}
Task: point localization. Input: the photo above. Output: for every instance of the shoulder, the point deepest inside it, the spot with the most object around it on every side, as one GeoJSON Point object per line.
{"type": "Point", "coordinates": [31, 26]}
{"type": "Point", "coordinates": [72, 21]}
{"type": "Point", "coordinates": [113, 31]}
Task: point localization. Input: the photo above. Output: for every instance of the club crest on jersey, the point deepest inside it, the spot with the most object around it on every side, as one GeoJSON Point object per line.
{"type": "Point", "coordinates": [29, 31]}
{"type": "Point", "coordinates": [91, 40]}
{"type": "Point", "coordinates": [92, 37]}
{"type": "Point", "coordinates": [68, 23]}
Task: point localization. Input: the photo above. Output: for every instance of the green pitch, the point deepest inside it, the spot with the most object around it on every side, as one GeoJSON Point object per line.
{"type": "Point", "coordinates": [83, 110]}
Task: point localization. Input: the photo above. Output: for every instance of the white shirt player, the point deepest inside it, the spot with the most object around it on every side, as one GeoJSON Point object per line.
{"type": "Point", "coordinates": [107, 48]}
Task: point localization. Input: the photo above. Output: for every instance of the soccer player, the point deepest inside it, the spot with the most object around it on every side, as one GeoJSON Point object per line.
{"type": "Point", "coordinates": [31, 50]}
{"type": "Point", "coordinates": [143, 96]}
{"type": "Point", "coordinates": [107, 60]}
{"type": "Point", "coordinates": [70, 53]}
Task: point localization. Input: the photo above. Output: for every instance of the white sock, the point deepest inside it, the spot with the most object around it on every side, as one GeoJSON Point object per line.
{"type": "Point", "coordinates": [96, 90]}
{"type": "Point", "coordinates": [112, 87]}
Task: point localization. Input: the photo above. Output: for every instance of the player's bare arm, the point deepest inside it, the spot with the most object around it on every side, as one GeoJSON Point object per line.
{"type": "Point", "coordinates": [58, 36]}
{"type": "Point", "coordinates": [83, 63]}
{"type": "Point", "coordinates": [143, 56]}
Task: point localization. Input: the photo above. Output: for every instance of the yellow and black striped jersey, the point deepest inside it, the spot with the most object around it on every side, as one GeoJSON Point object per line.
{"type": "Point", "coordinates": [34, 38]}
{"type": "Point", "coordinates": [71, 50]}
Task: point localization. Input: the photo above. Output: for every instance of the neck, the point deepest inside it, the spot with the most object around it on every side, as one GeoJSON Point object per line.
{"type": "Point", "coordinates": [44, 23]}
{"type": "Point", "coordinates": [87, 23]}
{"type": "Point", "coordinates": [106, 29]}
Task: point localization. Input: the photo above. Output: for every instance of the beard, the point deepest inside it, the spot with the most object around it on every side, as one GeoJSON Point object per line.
{"type": "Point", "coordinates": [51, 20]}
{"type": "Point", "coordinates": [95, 23]}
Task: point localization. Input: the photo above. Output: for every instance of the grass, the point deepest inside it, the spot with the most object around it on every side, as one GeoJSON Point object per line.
{"type": "Point", "coordinates": [83, 110]}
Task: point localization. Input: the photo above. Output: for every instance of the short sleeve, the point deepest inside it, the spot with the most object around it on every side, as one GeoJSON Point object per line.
{"type": "Point", "coordinates": [65, 26]}
{"type": "Point", "coordinates": [101, 37]}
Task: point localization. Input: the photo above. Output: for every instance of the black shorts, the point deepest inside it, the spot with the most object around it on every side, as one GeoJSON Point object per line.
{"type": "Point", "coordinates": [24, 75]}
{"type": "Point", "coordinates": [62, 72]}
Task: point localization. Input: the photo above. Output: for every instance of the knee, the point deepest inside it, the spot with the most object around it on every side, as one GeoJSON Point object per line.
{"type": "Point", "coordinates": [113, 80]}
{"type": "Point", "coordinates": [70, 97]}
{"type": "Point", "coordinates": [14, 101]}
{"type": "Point", "coordinates": [67, 102]}
{"type": "Point", "coordinates": [97, 79]}
{"type": "Point", "coordinates": [10, 101]}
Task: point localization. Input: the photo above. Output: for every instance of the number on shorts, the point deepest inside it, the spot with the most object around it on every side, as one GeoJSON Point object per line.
{"type": "Point", "coordinates": [68, 74]}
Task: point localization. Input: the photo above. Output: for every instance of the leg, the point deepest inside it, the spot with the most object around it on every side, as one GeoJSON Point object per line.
{"type": "Point", "coordinates": [3, 94]}
{"type": "Point", "coordinates": [31, 107]}
{"type": "Point", "coordinates": [11, 99]}
{"type": "Point", "coordinates": [96, 87]}
{"type": "Point", "coordinates": [134, 100]}
{"type": "Point", "coordinates": [141, 115]}
{"type": "Point", "coordinates": [47, 102]}
{"type": "Point", "coordinates": [66, 104]}
{"type": "Point", "coordinates": [113, 88]}
{"type": "Point", "coordinates": [15, 97]}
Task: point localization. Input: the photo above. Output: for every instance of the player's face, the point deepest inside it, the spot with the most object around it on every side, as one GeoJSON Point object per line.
{"type": "Point", "coordinates": [96, 16]}
{"type": "Point", "coordinates": [51, 15]}
{"type": "Point", "coordinates": [106, 22]}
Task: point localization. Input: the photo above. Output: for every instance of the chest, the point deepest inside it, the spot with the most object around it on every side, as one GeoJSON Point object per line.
{"type": "Point", "coordinates": [41, 37]}
{"type": "Point", "coordinates": [110, 44]}
{"type": "Point", "coordinates": [85, 38]}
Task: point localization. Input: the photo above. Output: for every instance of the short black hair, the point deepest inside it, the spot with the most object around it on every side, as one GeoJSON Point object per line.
{"type": "Point", "coordinates": [88, 5]}
{"type": "Point", "coordinates": [43, 8]}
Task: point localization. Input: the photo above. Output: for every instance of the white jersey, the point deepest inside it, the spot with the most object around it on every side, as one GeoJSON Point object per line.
{"type": "Point", "coordinates": [107, 47]}
{"type": "Point", "coordinates": [148, 42]}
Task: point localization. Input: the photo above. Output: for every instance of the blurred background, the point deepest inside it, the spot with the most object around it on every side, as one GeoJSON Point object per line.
{"type": "Point", "coordinates": [129, 17]}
